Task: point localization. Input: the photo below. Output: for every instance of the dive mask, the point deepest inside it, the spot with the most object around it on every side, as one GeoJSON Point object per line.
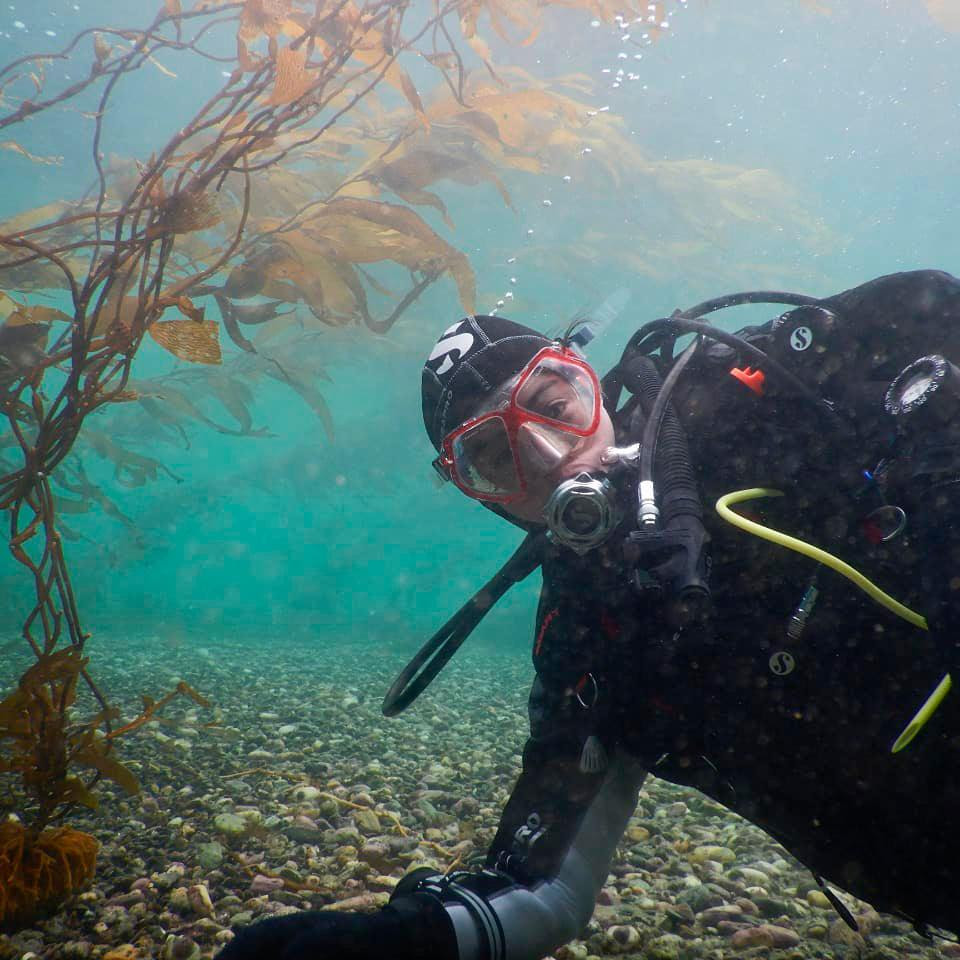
{"type": "Point", "coordinates": [530, 426]}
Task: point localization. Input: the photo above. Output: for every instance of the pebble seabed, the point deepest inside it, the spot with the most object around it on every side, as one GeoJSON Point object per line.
{"type": "Point", "coordinates": [303, 796]}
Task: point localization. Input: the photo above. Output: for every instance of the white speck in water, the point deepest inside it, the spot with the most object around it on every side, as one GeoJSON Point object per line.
{"type": "Point", "coordinates": [586, 150]}
{"type": "Point", "coordinates": [594, 23]}
{"type": "Point", "coordinates": [621, 56]}
{"type": "Point", "coordinates": [567, 178]}
{"type": "Point", "coordinates": [638, 56]}
{"type": "Point", "coordinates": [500, 303]}
{"type": "Point", "coordinates": [548, 203]}
{"type": "Point", "coordinates": [513, 279]}
{"type": "Point", "coordinates": [50, 33]}
{"type": "Point", "coordinates": [615, 84]}
{"type": "Point", "coordinates": [604, 109]}
{"type": "Point", "coordinates": [19, 24]}
{"type": "Point", "coordinates": [604, 70]}
{"type": "Point", "coordinates": [511, 259]}
{"type": "Point", "coordinates": [225, 73]}
{"type": "Point", "coordinates": [530, 232]}
{"type": "Point", "coordinates": [508, 295]}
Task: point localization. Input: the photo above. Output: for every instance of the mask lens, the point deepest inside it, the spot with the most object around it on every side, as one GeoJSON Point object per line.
{"type": "Point", "coordinates": [543, 447]}
{"type": "Point", "coordinates": [484, 459]}
{"type": "Point", "coordinates": [561, 392]}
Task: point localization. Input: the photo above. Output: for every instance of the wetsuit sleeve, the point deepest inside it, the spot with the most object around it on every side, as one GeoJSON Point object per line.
{"type": "Point", "coordinates": [563, 821]}
{"type": "Point", "coordinates": [550, 857]}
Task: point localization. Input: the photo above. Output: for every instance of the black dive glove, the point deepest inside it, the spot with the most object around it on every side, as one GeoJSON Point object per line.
{"type": "Point", "coordinates": [410, 928]}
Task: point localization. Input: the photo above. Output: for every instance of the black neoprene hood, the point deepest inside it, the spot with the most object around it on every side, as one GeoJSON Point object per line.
{"type": "Point", "coordinates": [469, 361]}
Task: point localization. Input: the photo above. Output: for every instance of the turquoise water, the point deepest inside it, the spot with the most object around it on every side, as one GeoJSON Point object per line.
{"type": "Point", "coordinates": [783, 146]}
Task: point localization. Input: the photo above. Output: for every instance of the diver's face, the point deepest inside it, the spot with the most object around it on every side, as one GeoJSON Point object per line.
{"type": "Point", "coordinates": [545, 425]}
{"type": "Point", "coordinates": [547, 455]}
{"type": "Point", "coordinates": [543, 478]}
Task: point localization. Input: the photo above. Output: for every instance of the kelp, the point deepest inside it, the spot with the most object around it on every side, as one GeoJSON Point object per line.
{"type": "Point", "coordinates": [45, 747]}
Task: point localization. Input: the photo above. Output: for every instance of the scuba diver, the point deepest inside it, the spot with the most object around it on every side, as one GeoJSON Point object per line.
{"type": "Point", "coordinates": [749, 546]}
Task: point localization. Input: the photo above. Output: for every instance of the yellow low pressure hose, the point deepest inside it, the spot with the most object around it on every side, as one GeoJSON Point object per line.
{"type": "Point", "coordinates": [844, 569]}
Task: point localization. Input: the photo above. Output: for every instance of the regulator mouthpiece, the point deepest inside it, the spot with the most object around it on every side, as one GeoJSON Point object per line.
{"type": "Point", "coordinates": [582, 512]}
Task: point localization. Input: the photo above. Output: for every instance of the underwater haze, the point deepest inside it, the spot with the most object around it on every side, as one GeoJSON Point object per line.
{"type": "Point", "coordinates": [256, 516]}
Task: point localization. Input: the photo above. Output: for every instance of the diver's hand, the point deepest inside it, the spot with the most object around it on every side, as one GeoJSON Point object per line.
{"type": "Point", "coordinates": [328, 935]}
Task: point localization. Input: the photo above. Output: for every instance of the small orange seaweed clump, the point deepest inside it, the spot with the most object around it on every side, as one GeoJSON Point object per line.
{"type": "Point", "coordinates": [36, 873]}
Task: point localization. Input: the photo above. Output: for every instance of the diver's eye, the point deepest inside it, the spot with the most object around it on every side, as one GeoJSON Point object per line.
{"type": "Point", "coordinates": [557, 409]}
{"type": "Point", "coordinates": [497, 465]}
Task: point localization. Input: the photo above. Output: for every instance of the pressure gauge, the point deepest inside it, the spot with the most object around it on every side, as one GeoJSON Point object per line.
{"type": "Point", "coordinates": [930, 383]}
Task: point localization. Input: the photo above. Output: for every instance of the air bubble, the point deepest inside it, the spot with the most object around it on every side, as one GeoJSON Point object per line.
{"type": "Point", "coordinates": [567, 178]}
{"type": "Point", "coordinates": [511, 259]}
{"type": "Point", "coordinates": [508, 295]}
{"type": "Point", "coordinates": [548, 203]}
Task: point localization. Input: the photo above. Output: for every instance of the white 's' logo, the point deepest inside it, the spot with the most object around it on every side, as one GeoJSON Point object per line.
{"type": "Point", "coordinates": [447, 344]}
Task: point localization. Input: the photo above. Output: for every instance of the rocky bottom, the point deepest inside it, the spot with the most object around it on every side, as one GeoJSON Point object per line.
{"type": "Point", "coordinates": [293, 791]}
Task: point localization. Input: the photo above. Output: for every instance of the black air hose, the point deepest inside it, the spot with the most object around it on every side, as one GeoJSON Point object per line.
{"type": "Point", "coordinates": [677, 483]}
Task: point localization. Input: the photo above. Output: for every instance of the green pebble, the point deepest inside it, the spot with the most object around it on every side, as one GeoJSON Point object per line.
{"type": "Point", "coordinates": [720, 854]}
{"type": "Point", "coordinates": [210, 855]}
{"type": "Point", "coordinates": [230, 824]}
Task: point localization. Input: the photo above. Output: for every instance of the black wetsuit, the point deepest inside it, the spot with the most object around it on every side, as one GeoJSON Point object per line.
{"type": "Point", "coordinates": [795, 735]}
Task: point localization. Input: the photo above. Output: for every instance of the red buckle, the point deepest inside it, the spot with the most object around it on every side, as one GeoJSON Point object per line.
{"type": "Point", "coordinates": [753, 379]}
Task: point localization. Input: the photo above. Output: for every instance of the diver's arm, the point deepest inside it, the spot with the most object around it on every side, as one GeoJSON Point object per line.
{"type": "Point", "coordinates": [490, 914]}
{"type": "Point", "coordinates": [547, 864]}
